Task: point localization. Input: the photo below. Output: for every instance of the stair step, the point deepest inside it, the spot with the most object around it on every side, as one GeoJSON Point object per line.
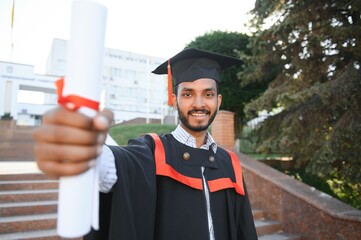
{"type": "Point", "coordinates": [28, 195]}
{"type": "Point", "coordinates": [10, 144]}
{"type": "Point", "coordinates": [29, 176]}
{"type": "Point", "coordinates": [28, 185]}
{"type": "Point", "coordinates": [27, 208]}
{"type": "Point", "coordinates": [17, 168]}
{"type": "Point", "coordinates": [264, 227]}
{"type": "Point", "coordinates": [12, 134]}
{"type": "Point", "coordinates": [9, 153]}
{"type": "Point", "coordinates": [27, 223]}
{"type": "Point", "coordinates": [279, 236]}
{"type": "Point", "coordinates": [41, 234]}
{"type": "Point", "coordinates": [257, 214]}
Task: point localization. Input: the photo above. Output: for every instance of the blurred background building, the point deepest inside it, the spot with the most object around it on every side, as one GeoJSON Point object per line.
{"type": "Point", "coordinates": [129, 88]}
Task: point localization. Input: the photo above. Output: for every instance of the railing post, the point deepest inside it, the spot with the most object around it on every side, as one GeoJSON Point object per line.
{"type": "Point", "coordinates": [223, 129]}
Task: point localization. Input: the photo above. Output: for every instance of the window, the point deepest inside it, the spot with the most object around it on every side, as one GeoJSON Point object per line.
{"type": "Point", "coordinates": [130, 75]}
{"type": "Point", "coordinates": [115, 72]}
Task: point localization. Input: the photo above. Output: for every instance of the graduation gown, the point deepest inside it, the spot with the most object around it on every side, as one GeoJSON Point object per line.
{"type": "Point", "coordinates": [159, 194]}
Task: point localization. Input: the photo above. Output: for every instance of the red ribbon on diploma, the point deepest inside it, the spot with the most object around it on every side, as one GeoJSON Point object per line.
{"type": "Point", "coordinates": [73, 102]}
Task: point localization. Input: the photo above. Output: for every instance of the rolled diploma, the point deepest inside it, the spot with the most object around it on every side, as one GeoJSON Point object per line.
{"type": "Point", "coordinates": [78, 195]}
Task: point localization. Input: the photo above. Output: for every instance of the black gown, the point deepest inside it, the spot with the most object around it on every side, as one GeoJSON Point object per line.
{"type": "Point", "coordinates": [159, 194]}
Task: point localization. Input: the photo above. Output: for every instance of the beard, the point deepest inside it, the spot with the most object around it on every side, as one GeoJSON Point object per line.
{"type": "Point", "coordinates": [199, 128]}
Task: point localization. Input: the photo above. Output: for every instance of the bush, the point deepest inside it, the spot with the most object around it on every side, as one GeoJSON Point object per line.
{"type": "Point", "coordinates": [6, 116]}
{"type": "Point", "coordinates": [122, 133]}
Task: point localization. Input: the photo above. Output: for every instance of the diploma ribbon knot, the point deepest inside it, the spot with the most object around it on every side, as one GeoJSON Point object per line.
{"type": "Point", "coordinates": [73, 102]}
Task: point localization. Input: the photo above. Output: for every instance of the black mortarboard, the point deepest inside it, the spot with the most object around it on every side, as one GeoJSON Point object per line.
{"type": "Point", "coordinates": [192, 64]}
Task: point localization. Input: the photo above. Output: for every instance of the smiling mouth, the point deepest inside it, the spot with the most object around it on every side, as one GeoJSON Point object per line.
{"type": "Point", "coordinates": [198, 114]}
{"type": "Point", "coordinates": [201, 113]}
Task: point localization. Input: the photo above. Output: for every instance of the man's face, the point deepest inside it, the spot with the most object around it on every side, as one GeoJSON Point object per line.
{"type": "Point", "coordinates": [197, 103]}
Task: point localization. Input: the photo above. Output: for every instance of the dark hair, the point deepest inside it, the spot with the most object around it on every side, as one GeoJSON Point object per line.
{"type": "Point", "coordinates": [176, 88]}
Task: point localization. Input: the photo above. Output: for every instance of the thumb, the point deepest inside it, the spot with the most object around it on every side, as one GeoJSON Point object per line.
{"type": "Point", "coordinates": [103, 119]}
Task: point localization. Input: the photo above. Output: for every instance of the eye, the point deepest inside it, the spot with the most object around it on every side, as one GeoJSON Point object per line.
{"type": "Point", "coordinates": [211, 94]}
{"type": "Point", "coordinates": [186, 94]}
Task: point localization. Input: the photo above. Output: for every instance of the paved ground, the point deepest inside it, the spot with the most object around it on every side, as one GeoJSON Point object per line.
{"type": "Point", "coordinates": [18, 167]}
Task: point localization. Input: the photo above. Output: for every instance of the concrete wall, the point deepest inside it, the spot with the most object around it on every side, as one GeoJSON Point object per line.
{"type": "Point", "coordinates": [302, 209]}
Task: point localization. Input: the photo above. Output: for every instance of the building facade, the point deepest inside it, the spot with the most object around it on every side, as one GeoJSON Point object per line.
{"type": "Point", "coordinates": [24, 95]}
{"type": "Point", "coordinates": [129, 88]}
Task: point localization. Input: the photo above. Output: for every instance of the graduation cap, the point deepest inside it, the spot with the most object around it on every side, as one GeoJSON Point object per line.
{"type": "Point", "coordinates": [192, 64]}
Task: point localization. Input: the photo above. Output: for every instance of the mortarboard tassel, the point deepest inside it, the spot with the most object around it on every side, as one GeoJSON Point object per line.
{"type": "Point", "coordinates": [170, 84]}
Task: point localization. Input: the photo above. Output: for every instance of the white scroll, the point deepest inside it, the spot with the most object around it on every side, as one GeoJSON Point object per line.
{"type": "Point", "coordinates": [78, 195]}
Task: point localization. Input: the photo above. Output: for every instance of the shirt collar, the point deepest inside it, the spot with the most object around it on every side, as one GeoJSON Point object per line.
{"type": "Point", "coordinates": [182, 136]}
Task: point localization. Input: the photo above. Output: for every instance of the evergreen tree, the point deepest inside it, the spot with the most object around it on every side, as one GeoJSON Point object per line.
{"type": "Point", "coordinates": [309, 54]}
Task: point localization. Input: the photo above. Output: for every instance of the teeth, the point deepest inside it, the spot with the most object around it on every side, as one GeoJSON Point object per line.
{"type": "Point", "coordinates": [198, 114]}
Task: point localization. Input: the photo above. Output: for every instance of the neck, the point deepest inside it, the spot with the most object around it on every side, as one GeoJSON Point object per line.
{"type": "Point", "coordinates": [200, 136]}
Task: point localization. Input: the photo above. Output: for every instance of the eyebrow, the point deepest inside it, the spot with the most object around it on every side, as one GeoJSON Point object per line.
{"type": "Point", "coordinates": [206, 89]}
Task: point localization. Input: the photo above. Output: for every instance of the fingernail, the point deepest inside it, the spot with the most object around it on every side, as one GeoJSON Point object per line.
{"type": "Point", "coordinates": [103, 121]}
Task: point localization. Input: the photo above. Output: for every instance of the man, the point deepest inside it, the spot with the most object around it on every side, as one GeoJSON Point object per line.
{"type": "Point", "coordinates": [174, 186]}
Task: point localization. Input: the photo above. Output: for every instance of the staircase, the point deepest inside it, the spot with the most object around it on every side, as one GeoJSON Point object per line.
{"type": "Point", "coordinates": [268, 229]}
{"type": "Point", "coordinates": [28, 204]}
{"type": "Point", "coordinates": [16, 143]}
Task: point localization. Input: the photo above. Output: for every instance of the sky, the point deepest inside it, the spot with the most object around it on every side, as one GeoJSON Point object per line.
{"type": "Point", "coordinates": [159, 28]}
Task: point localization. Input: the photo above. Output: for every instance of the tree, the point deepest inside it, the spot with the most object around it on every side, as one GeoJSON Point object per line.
{"type": "Point", "coordinates": [310, 58]}
{"type": "Point", "coordinates": [236, 45]}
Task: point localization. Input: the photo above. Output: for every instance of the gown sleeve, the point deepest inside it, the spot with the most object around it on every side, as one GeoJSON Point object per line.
{"type": "Point", "coordinates": [128, 211]}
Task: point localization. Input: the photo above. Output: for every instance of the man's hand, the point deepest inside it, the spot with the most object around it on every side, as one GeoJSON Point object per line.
{"type": "Point", "coordinates": [67, 142]}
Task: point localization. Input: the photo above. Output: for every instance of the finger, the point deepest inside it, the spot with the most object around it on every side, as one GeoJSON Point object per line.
{"type": "Point", "coordinates": [63, 116]}
{"type": "Point", "coordinates": [103, 119]}
{"type": "Point", "coordinates": [47, 152]}
{"type": "Point", "coordinates": [58, 169]}
{"type": "Point", "coordinates": [65, 134]}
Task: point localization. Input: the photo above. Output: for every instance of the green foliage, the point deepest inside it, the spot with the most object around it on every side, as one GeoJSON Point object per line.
{"type": "Point", "coordinates": [345, 191]}
{"type": "Point", "coordinates": [6, 116]}
{"type": "Point", "coordinates": [334, 186]}
{"type": "Point", "coordinates": [310, 57]}
{"type": "Point", "coordinates": [236, 45]}
{"type": "Point", "coordinates": [122, 133]}
{"type": "Point", "coordinates": [248, 141]}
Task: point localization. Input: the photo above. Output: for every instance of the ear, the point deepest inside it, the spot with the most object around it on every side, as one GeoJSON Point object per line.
{"type": "Point", "coordinates": [174, 101]}
{"type": "Point", "coordinates": [219, 100]}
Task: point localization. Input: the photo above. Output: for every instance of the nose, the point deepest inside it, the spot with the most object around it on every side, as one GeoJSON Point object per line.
{"type": "Point", "coordinates": [198, 102]}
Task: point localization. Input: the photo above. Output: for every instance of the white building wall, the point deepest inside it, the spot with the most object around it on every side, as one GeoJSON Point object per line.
{"type": "Point", "coordinates": [14, 80]}
{"type": "Point", "coordinates": [129, 89]}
